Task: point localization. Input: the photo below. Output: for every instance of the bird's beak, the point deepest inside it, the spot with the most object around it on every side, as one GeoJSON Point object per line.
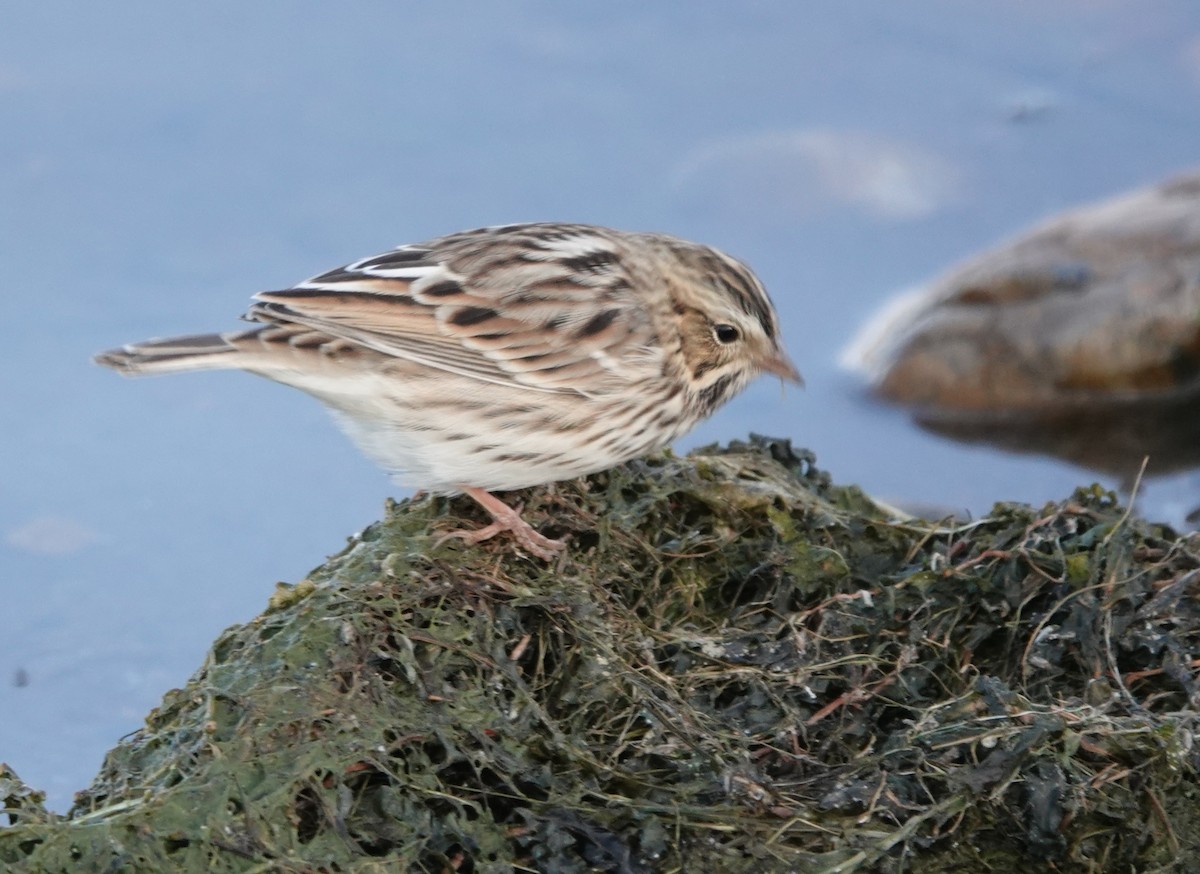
{"type": "Point", "coordinates": [778, 364]}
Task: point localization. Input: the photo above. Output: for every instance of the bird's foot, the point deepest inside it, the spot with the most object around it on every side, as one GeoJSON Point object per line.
{"type": "Point", "coordinates": [506, 518]}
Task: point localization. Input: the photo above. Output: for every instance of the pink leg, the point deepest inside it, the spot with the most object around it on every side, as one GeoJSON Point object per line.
{"type": "Point", "coordinates": [507, 519]}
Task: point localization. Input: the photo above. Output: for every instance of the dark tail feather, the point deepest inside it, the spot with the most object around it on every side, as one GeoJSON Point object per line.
{"type": "Point", "coordinates": [196, 352]}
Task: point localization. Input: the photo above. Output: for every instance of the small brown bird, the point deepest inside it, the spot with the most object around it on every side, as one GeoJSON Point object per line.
{"type": "Point", "coordinates": [505, 357]}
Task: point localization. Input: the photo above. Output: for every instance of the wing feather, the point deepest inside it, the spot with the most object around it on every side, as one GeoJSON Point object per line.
{"type": "Point", "coordinates": [517, 306]}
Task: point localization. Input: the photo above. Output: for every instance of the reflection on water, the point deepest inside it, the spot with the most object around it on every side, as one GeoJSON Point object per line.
{"type": "Point", "coordinates": [1112, 439]}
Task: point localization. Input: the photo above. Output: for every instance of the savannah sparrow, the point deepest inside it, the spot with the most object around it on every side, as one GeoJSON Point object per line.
{"type": "Point", "coordinates": [506, 357]}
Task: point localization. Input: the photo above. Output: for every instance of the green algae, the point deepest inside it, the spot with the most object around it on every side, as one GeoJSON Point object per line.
{"type": "Point", "coordinates": [736, 666]}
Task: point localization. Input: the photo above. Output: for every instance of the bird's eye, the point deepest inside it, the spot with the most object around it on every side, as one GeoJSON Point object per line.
{"type": "Point", "coordinates": [726, 334]}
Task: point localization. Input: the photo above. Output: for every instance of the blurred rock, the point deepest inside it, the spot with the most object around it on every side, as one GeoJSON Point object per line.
{"type": "Point", "coordinates": [1079, 339]}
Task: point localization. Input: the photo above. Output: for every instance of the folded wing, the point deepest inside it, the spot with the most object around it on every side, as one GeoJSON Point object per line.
{"type": "Point", "coordinates": [515, 305]}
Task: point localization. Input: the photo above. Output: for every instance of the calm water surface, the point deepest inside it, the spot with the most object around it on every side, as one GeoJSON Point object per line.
{"type": "Point", "coordinates": [160, 162]}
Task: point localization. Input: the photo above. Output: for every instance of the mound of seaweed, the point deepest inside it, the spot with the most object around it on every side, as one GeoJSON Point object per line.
{"type": "Point", "coordinates": [735, 667]}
